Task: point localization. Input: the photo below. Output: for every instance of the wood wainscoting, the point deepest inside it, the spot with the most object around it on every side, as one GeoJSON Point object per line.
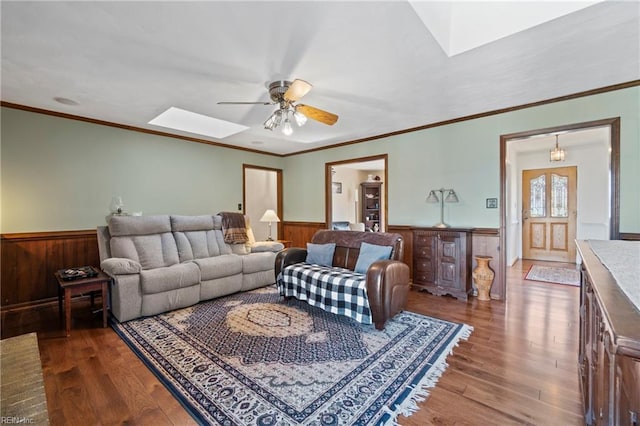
{"type": "Point", "coordinates": [300, 233]}
{"type": "Point", "coordinates": [30, 259]}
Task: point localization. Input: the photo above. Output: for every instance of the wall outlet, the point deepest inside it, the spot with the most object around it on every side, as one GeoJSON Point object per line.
{"type": "Point", "coordinates": [239, 206]}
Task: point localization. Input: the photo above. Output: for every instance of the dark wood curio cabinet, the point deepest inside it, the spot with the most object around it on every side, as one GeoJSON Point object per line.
{"type": "Point", "coordinates": [371, 205]}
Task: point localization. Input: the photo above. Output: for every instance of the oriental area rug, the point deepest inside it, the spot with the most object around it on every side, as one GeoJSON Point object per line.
{"type": "Point", "coordinates": [552, 274]}
{"type": "Point", "coordinates": [255, 359]}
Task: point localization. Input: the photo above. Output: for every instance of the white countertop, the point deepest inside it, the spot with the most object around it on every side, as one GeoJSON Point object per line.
{"type": "Point", "coordinates": [622, 259]}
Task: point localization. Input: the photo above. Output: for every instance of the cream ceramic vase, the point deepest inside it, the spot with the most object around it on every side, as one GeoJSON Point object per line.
{"type": "Point", "coordinates": [483, 277]}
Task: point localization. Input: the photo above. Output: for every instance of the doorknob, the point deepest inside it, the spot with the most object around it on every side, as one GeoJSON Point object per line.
{"type": "Point", "coordinates": [525, 214]}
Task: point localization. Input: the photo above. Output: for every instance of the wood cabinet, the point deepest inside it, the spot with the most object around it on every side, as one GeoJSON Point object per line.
{"type": "Point", "coordinates": [442, 261]}
{"type": "Point", "coordinates": [371, 205]}
{"type": "Point", "coordinates": [609, 351]}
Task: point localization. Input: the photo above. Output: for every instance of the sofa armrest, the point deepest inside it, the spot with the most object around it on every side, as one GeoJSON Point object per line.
{"type": "Point", "coordinates": [387, 289]}
{"type": "Point", "coordinates": [262, 246]}
{"type": "Point", "coordinates": [120, 266]}
{"type": "Point", "coordinates": [289, 256]}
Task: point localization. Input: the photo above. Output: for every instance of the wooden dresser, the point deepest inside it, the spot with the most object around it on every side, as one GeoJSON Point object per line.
{"type": "Point", "coordinates": [442, 261]}
{"type": "Point", "coordinates": [609, 353]}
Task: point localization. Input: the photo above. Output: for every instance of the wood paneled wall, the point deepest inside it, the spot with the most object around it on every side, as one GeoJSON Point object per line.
{"type": "Point", "coordinates": [30, 259]}
{"type": "Point", "coordinates": [300, 233]}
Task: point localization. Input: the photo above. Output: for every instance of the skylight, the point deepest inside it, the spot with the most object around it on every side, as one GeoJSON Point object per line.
{"type": "Point", "coordinates": [187, 121]}
{"type": "Point", "coordinates": [459, 26]}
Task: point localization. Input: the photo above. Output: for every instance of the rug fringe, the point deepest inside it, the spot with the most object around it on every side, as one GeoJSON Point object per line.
{"type": "Point", "coordinates": [420, 392]}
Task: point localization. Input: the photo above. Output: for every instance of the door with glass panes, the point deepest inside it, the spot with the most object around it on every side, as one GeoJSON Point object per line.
{"type": "Point", "coordinates": [549, 214]}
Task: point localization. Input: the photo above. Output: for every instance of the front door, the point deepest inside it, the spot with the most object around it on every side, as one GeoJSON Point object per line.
{"type": "Point", "coordinates": [549, 214]}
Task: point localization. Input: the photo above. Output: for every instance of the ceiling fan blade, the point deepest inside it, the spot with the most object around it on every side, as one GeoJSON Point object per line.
{"type": "Point", "coordinates": [246, 103]}
{"type": "Point", "coordinates": [317, 114]}
{"type": "Point", "coordinates": [298, 89]}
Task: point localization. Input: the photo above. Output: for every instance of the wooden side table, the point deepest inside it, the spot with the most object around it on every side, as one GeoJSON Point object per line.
{"type": "Point", "coordinates": [78, 286]}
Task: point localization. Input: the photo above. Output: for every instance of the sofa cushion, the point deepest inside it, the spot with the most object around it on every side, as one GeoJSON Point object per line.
{"type": "Point", "coordinates": [320, 254]}
{"type": "Point", "coordinates": [219, 266]}
{"type": "Point", "coordinates": [257, 262]}
{"type": "Point", "coordinates": [151, 251]}
{"type": "Point", "coordinates": [138, 225]}
{"type": "Point", "coordinates": [196, 245]}
{"type": "Point", "coordinates": [369, 253]}
{"type": "Point", "coordinates": [243, 248]}
{"type": "Point", "coordinates": [170, 278]}
{"type": "Point", "coordinates": [191, 223]}
{"type": "Point", "coordinates": [262, 246]}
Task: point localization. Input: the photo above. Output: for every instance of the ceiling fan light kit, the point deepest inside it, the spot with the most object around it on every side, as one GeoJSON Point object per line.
{"type": "Point", "coordinates": [286, 94]}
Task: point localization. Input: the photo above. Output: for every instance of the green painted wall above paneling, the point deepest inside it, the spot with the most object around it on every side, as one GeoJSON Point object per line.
{"type": "Point", "coordinates": [465, 156]}
{"type": "Point", "coordinates": [60, 174]}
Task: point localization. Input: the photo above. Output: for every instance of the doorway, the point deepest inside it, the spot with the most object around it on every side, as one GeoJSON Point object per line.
{"type": "Point", "coordinates": [549, 214]}
{"type": "Point", "coordinates": [356, 194]}
{"type": "Point", "coordinates": [598, 202]}
{"type": "Point", "coordinates": [262, 191]}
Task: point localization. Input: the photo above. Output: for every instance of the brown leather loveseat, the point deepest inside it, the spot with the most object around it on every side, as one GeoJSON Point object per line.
{"type": "Point", "coordinates": [387, 281]}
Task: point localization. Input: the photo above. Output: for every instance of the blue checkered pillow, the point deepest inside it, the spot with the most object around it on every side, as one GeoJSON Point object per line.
{"type": "Point", "coordinates": [369, 253]}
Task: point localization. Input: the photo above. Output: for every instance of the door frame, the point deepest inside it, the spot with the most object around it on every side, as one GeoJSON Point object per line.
{"type": "Point", "coordinates": [279, 202]}
{"type": "Point", "coordinates": [328, 188]}
{"type": "Point", "coordinates": [614, 170]}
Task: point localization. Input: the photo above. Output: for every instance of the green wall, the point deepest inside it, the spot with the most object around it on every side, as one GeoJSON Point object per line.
{"type": "Point", "coordinates": [465, 156]}
{"type": "Point", "coordinates": [60, 174]}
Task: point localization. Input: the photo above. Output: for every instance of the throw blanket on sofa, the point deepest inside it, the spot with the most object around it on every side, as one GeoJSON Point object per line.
{"type": "Point", "coordinates": [336, 290]}
{"type": "Point", "coordinates": [233, 228]}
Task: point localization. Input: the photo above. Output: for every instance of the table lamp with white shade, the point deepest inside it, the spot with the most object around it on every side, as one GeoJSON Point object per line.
{"type": "Point", "coordinates": [270, 216]}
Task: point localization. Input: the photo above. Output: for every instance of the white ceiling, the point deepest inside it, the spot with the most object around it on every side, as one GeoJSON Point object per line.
{"type": "Point", "coordinates": [375, 64]}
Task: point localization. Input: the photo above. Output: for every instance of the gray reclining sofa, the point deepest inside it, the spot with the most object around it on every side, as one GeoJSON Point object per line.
{"type": "Point", "coordinates": [161, 263]}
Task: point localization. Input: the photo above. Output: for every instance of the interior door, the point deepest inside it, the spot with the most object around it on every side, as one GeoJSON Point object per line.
{"type": "Point", "coordinates": [549, 214]}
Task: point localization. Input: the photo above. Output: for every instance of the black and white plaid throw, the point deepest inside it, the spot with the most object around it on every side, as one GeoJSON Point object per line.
{"type": "Point", "coordinates": [336, 290]}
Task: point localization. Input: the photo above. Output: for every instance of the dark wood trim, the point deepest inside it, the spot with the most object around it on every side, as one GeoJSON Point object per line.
{"type": "Point", "coordinates": [302, 223]}
{"type": "Point", "coordinates": [130, 128]}
{"type": "Point", "coordinates": [614, 168]}
{"type": "Point", "coordinates": [47, 235]}
{"type": "Point", "coordinates": [30, 305]}
{"type": "Point", "coordinates": [328, 200]}
{"type": "Point", "coordinates": [399, 228]}
{"type": "Point", "coordinates": [630, 236]}
{"type": "Point", "coordinates": [592, 92]}
{"type": "Point", "coordinates": [485, 231]}
{"type": "Point", "coordinates": [279, 203]}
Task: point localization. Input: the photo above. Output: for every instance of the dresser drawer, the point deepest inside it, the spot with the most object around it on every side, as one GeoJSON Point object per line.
{"type": "Point", "coordinates": [423, 277]}
{"type": "Point", "coordinates": [423, 265]}
{"type": "Point", "coordinates": [423, 251]}
{"type": "Point", "coordinates": [422, 239]}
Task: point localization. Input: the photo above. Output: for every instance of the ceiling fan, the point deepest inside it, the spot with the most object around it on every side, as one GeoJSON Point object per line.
{"type": "Point", "coordinates": [286, 94]}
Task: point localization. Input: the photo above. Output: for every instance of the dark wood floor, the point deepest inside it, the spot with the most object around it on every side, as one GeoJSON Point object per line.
{"type": "Point", "coordinates": [518, 367]}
